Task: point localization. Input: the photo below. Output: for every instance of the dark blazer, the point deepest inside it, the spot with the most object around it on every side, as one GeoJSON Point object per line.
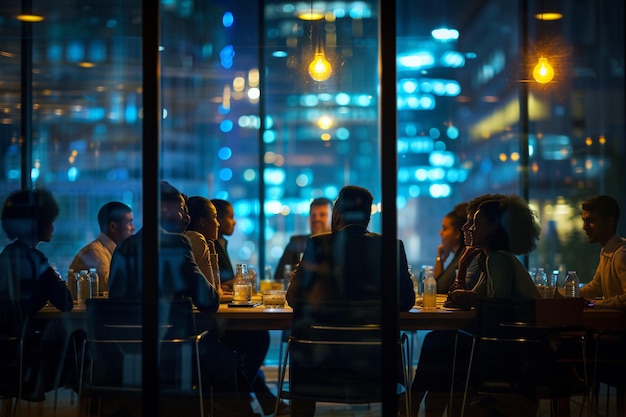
{"type": "Point", "coordinates": [345, 265]}
{"type": "Point", "coordinates": [179, 274]}
{"type": "Point", "coordinates": [27, 277]}
{"type": "Point", "coordinates": [227, 272]}
{"type": "Point", "coordinates": [291, 255]}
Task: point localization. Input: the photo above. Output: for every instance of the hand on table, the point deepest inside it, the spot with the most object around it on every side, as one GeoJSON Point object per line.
{"type": "Point", "coordinates": [462, 299]}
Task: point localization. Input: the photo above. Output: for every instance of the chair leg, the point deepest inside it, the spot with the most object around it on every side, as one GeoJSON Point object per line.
{"type": "Point", "coordinates": [456, 342]}
{"type": "Point", "coordinates": [200, 396]}
{"type": "Point", "coordinates": [405, 356]}
{"type": "Point", "coordinates": [281, 378]}
{"type": "Point", "coordinates": [467, 379]}
{"type": "Point", "coordinates": [56, 399]}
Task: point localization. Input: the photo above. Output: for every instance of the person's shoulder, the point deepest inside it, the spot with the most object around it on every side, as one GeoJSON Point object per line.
{"type": "Point", "coordinates": [89, 247]}
{"type": "Point", "coordinates": [500, 254]}
{"type": "Point", "coordinates": [321, 236]}
{"type": "Point", "coordinates": [295, 239]}
{"type": "Point", "coordinates": [192, 235]}
{"type": "Point", "coordinates": [500, 257]}
{"type": "Point", "coordinates": [168, 238]}
{"type": "Point", "coordinates": [131, 243]}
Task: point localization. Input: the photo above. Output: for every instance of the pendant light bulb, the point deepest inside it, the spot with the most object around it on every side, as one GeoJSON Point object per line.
{"type": "Point", "coordinates": [320, 69]}
{"type": "Point", "coordinates": [543, 72]}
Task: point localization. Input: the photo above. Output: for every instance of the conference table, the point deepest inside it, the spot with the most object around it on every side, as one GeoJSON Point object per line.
{"type": "Point", "coordinates": [261, 318]}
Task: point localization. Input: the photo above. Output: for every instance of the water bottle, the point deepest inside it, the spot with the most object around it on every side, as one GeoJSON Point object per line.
{"type": "Point", "coordinates": [242, 287]}
{"type": "Point", "coordinates": [71, 283]}
{"type": "Point", "coordinates": [430, 291]}
{"type": "Point", "coordinates": [571, 284]}
{"type": "Point", "coordinates": [94, 280]}
{"type": "Point", "coordinates": [554, 282]}
{"type": "Point", "coordinates": [84, 286]}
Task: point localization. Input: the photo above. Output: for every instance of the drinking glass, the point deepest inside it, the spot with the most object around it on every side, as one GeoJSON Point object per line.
{"type": "Point", "coordinates": [274, 298]}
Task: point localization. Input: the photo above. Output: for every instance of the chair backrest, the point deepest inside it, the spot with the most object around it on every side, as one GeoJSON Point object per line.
{"type": "Point", "coordinates": [10, 336]}
{"type": "Point", "coordinates": [492, 313]}
{"type": "Point", "coordinates": [114, 338]}
{"type": "Point", "coordinates": [560, 311]}
{"type": "Point", "coordinates": [335, 352]}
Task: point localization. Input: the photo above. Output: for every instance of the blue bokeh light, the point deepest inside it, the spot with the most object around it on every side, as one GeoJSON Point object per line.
{"type": "Point", "coordinates": [228, 19]}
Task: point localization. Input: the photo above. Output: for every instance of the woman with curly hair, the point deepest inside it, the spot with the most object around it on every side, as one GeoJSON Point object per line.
{"type": "Point", "coordinates": [501, 229]}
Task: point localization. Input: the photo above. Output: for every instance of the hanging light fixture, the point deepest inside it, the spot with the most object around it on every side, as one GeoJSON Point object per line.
{"type": "Point", "coordinates": [543, 71]}
{"type": "Point", "coordinates": [319, 68]}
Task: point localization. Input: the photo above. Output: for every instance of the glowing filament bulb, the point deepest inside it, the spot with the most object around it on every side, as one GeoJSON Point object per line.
{"type": "Point", "coordinates": [543, 72]}
{"type": "Point", "coordinates": [320, 69]}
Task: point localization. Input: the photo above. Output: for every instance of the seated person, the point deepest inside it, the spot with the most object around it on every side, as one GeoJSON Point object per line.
{"type": "Point", "coordinates": [180, 277]}
{"type": "Point", "coordinates": [319, 222]}
{"type": "Point", "coordinates": [608, 286]}
{"type": "Point", "coordinates": [28, 281]}
{"type": "Point", "coordinates": [226, 219]}
{"type": "Point", "coordinates": [115, 220]}
{"type": "Point", "coordinates": [341, 267]}
{"type": "Point", "coordinates": [452, 242]}
{"type": "Point", "coordinates": [202, 233]}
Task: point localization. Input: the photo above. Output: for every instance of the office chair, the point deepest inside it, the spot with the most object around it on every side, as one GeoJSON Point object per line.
{"type": "Point", "coordinates": [334, 355]}
{"type": "Point", "coordinates": [111, 366]}
{"type": "Point", "coordinates": [515, 350]}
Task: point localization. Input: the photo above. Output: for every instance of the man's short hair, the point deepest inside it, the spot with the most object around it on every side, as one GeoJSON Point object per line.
{"type": "Point", "coordinates": [112, 211]}
{"type": "Point", "coordinates": [321, 201]}
{"type": "Point", "coordinates": [28, 212]}
{"type": "Point", "coordinates": [354, 204]}
{"type": "Point", "coordinates": [604, 205]}
{"type": "Point", "coordinates": [169, 193]}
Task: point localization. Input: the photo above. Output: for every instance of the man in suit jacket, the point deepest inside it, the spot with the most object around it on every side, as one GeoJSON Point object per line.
{"type": "Point", "coordinates": [319, 222]}
{"type": "Point", "coordinates": [342, 266]}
